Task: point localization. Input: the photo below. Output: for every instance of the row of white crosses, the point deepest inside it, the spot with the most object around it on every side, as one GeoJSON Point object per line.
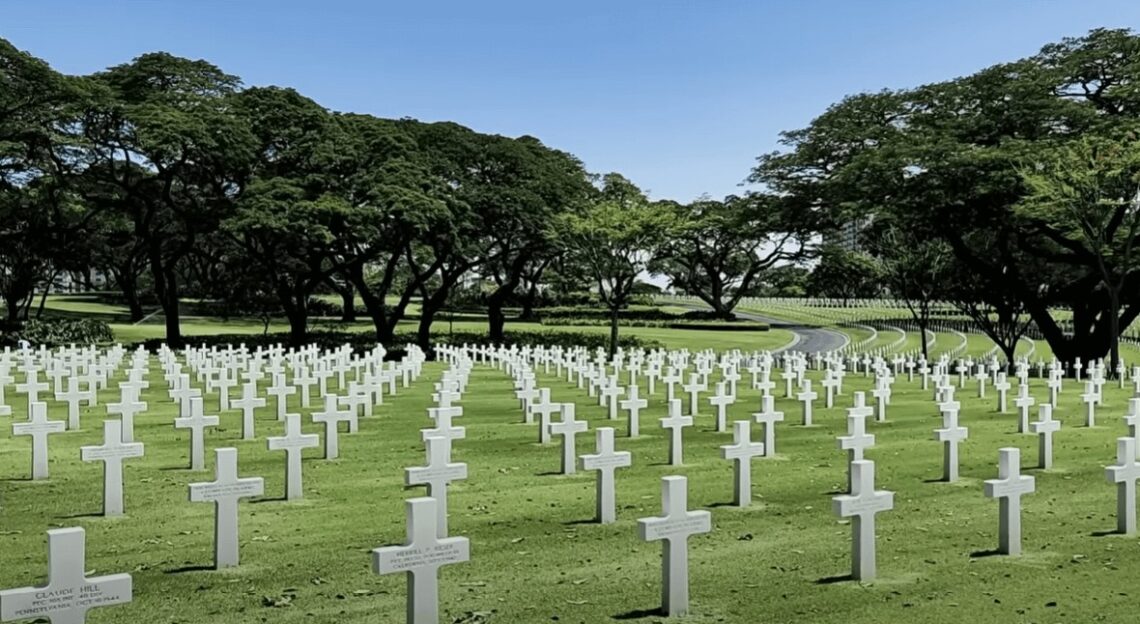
{"type": "Point", "coordinates": [69, 594]}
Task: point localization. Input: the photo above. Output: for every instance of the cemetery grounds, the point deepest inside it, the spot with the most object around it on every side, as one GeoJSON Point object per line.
{"type": "Point", "coordinates": [536, 554]}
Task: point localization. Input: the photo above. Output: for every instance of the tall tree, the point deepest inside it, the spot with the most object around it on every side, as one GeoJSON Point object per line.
{"type": "Point", "coordinates": [917, 268]}
{"type": "Point", "coordinates": [615, 239]}
{"type": "Point", "coordinates": [171, 155]}
{"type": "Point", "coordinates": [719, 249]}
{"type": "Point", "coordinates": [845, 274]}
{"type": "Point", "coordinates": [1085, 195]}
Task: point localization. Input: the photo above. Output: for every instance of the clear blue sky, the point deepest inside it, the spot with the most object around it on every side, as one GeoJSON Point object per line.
{"type": "Point", "coordinates": [680, 96]}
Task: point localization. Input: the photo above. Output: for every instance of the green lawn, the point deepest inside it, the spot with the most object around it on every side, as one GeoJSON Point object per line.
{"type": "Point", "coordinates": [535, 556]}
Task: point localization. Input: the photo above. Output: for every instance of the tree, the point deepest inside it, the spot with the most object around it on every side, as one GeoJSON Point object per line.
{"type": "Point", "coordinates": [615, 239]}
{"type": "Point", "coordinates": [166, 150]}
{"type": "Point", "coordinates": [1086, 196]}
{"type": "Point", "coordinates": [283, 220]}
{"type": "Point", "coordinates": [917, 270]}
{"type": "Point", "coordinates": [786, 280]}
{"type": "Point", "coordinates": [844, 274]}
{"type": "Point", "coordinates": [950, 157]}
{"type": "Point", "coordinates": [720, 248]}
{"type": "Point", "coordinates": [41, 221]}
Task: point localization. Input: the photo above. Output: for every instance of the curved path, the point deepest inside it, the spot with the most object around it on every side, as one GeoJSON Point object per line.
{"type": "Point", "coordinates": [811, 339]}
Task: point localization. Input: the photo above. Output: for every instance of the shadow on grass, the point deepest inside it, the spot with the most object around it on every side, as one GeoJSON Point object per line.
{"type": "Point", "coordinates": [728, 504]}
{"type": "Point", "coordinates": [637, 614]}
{"type": "Point", "coordinates": [548, 473]}
{"type": "Point", "coordinates": [580, 522]}
{"type": "Point", "coordinates": [983, 554]}
{"type": "Point", "coordinates": [17, 480]}
{"type": "Point", "coordinates": [80, 516]}
{"type": "Point", "coordinates": [189, 568]}
{"type": "Point", "coordinates": [831, 580]}
{"type": "Point", "coordinates": [268, 499]}
{"type": "Point", "coordinates": [1109, 533]}
{"type": "Point", "coordinates": [936, 480]}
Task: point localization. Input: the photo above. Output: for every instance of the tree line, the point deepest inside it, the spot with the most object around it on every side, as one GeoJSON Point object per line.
{"type": "Point", "coordinates": [1011, 192]}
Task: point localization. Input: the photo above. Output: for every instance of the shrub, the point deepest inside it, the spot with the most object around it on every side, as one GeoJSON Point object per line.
{"type": "Point", "coordinates": [54, 332]}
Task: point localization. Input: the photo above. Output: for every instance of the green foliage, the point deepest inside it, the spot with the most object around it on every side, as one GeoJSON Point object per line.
{"type": "Point", "coordinates": [56, 332]}
{"type": "Point", "coordinates": [845, 274]}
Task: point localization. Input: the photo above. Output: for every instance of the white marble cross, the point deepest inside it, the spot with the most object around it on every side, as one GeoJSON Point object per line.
{"type": "Point", "coordinates": [225, 492]}
{"type": "Point", "coordinates": [882, 394]}
{"type": "Point", "coordinates": [861, 505]}
{"type": "Point", "coordinates": [437, 475]}
{"type": "Point", "coordinates": [1090, 398]}
{"type": "Point", "coordinates": [721, 400]}
{"type": "Point", "coordinates": [1008, 488]}
{"type": "Point", "coordinates": [741, 452]}
{"type": "Point", "coordinates": [694, 388]}
{"type": "Point", "coordinates": [127, 408]}
{"type": "Point", "coordinates": [674, 526]}
{"type": "Point", "coordinates": [196, 422]}
{"type": "Point", "coordinates": [545, 409]}
{"type": "Point", "coordinates": [248, 402]}
{"type": "Point", "coordinates": [112, 454]}
{"type": "Point", "coordinates": [568, 428]}
{"type": "Point", "coordinates": [676, 423]}
{"type": "Point", "coordinates": [443, 417]}
{"type": "Point", "coordinates": [421, 557]}
{"type": "Point", "coordinates": [1023, 403]}
{"type": "Point", "coordinates": [634, 404]}
{"type": "Point", "coordinates": [605, 460]}
{"type": "Point", "coordinates": [950, 435]}
{"type": "Point", "coordinates": [1002, 386]}
{"type": "Point", "coordinates": [280, 391]}
{"type": "Point", "coordinates": [332, 415]}
{"type": "Point", "coordinates": [1124, 474]}
{"type": "Point", "coordinates": [1045, 428]}
{"type": "Point", "coordinates": [32, 386]}
{"type": "Point", "coordinates": [807, 396]}
{"type": "Point", "coordinates": [293, 442]}
{"type": "Point", "coordinates": [768, 416]}
{"type": "Point", "coordinates": [73, 396]}
{"type": "Point", "coordinates": [829, 383]}
{"type": "Point", "coordinates": [39, 428]}
{"type": "Point", "coordinates": [69, 593]}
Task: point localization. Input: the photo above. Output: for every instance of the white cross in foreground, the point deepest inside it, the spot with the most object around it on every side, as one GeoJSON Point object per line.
{"type": "Point", "coordinates": [861, 505]}
{"type": "Point", "coordinates": [225, 492]}
{"type": "Point", "coordinates": [421, 558]}
{"type": "Point", "coordinates": [69, 594]}
{"type": "Point", "coordinates": [1008, 489]}
{"type": "Point", "coordinates": [674, 526]}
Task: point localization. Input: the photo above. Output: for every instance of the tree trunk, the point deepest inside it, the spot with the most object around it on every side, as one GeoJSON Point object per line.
{"type": "Point", "coordinates": [348, 304]}
{"type": "Point", "coordinates": [128, 285]}
{"type": "Point", "coordinates": [496, 318]}
{"type": "Point", "coordinates": [613, 330]}
{"type": "Point", "coordinates": [1114, 330]}
{"type": "Point", "coordinates": [922, 327]}
{"type": "Point", "coordinates": [298, 316]}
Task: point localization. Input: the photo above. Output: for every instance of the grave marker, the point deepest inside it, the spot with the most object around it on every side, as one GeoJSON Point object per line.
{"type": "Point", "coordinates": [225, 492]}
{"type": "Point", "coordinates": [674, 527]}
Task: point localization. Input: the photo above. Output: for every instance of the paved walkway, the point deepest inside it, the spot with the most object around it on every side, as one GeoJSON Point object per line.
{"type": "Point", "coordinates": [811, 339]}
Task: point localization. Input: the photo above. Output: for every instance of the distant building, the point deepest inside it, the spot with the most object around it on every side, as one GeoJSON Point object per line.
{"type": "Point", "coordinates": [848, 235]}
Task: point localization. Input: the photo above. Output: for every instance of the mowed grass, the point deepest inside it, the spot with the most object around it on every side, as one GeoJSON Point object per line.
{"type": "Point", "coordinates": [535, 554]}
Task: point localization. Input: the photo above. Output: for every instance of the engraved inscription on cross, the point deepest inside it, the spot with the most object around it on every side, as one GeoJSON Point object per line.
{"type": "Point", "coordinates": [69, 593]}
{"type": "Point", "coordinates": [421, 557]}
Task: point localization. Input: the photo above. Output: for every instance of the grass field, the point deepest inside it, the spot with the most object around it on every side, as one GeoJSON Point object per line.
{"type": "Point", "coordinates": [537, 558]}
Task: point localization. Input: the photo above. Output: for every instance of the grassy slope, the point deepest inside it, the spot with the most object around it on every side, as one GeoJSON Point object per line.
{"type": "Point", "coordinates": [533, 557]}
